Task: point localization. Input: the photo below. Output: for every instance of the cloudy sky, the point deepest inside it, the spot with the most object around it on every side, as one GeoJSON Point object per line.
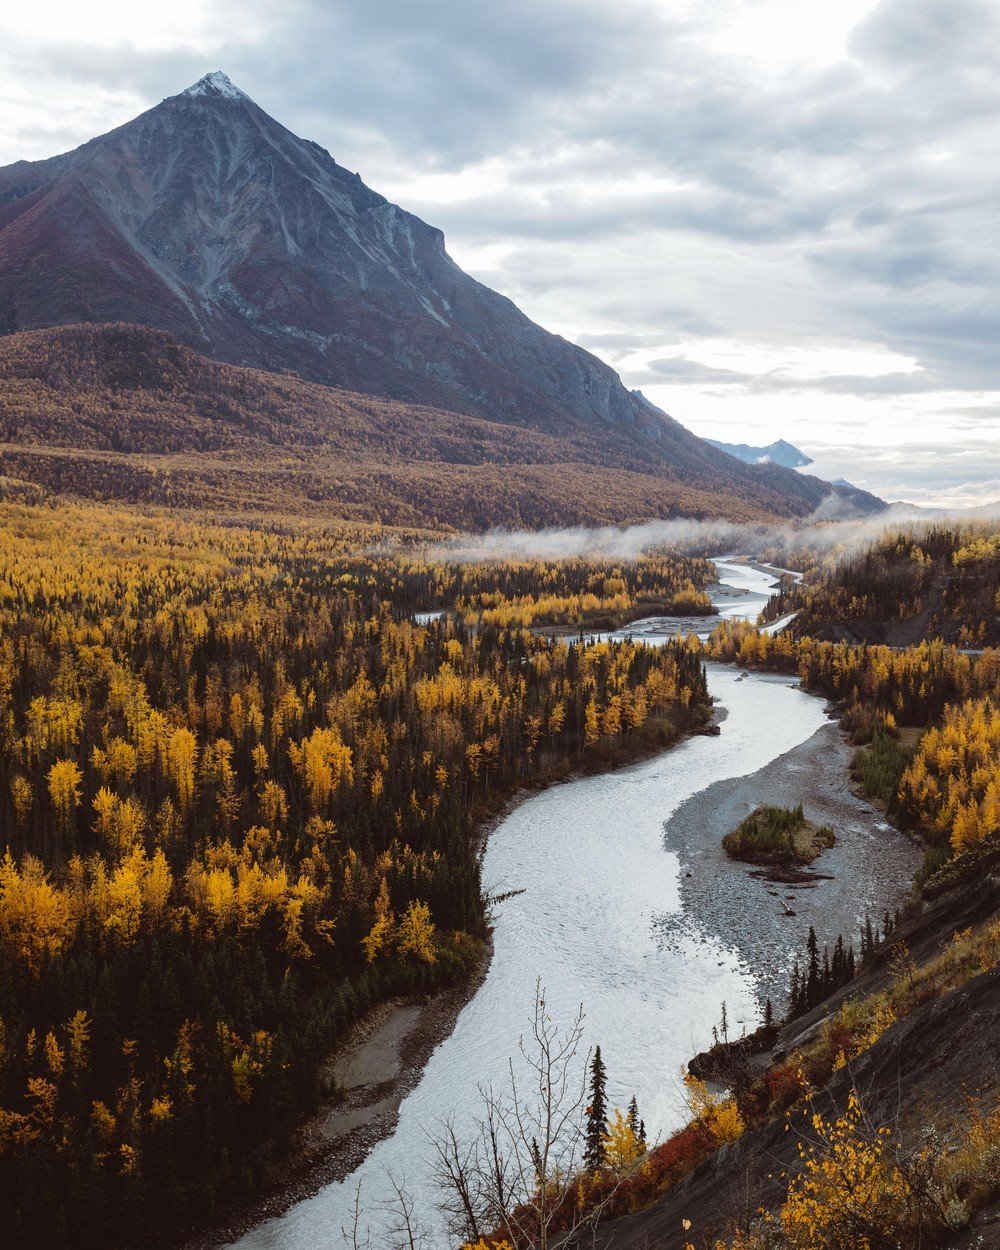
{"type": "Point", "coordinates": [778, 218]}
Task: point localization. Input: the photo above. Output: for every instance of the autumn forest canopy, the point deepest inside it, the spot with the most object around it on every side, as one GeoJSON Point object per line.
{"type": "Point", "coordinates": [254, 721]}
{"type": "Point", "coordinates": [240, 790]}
{"type": "Point", "coordinates": [241, 786]}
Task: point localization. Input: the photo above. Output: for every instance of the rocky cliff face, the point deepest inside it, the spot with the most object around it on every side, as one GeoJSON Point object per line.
{"type": "Point", "coordinates": [206, 218]}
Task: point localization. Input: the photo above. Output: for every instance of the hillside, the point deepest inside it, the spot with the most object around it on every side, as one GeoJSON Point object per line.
{"type": "Point", "coordinates": [125, 412]}
{"type": "Point", "coordinates": [931, 1062]}
{"type": "Point", "coordinates": [206, 218]}
{"type": "Point", "coordinates": [914, 584]}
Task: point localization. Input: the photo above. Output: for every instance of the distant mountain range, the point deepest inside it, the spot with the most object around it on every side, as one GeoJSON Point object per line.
{"type": "Point", "coordinates": [778, 452]}
{"type": "Point", "coordinates": [207, 219]}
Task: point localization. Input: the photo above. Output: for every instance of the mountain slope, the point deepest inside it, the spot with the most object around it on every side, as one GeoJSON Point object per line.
{"type": "Point", "coordinates": [126, 412]}
{"type": "Point", "coordinates": [206, 218]}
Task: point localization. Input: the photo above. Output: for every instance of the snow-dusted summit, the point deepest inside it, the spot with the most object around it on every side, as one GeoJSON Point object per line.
{"type": "Point", "coordinates": [216, 84]}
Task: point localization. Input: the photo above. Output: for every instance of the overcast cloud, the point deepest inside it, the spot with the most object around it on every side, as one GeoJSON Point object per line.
{"type": "Point", "coordinates": [779, 218]}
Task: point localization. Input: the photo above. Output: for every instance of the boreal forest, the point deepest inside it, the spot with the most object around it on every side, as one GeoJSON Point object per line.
{"type": "Point", "coordinates": [240, 790]}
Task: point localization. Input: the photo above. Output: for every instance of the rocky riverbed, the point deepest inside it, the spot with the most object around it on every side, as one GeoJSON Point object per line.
{"type": "Point", "coordinates": [768, 922]}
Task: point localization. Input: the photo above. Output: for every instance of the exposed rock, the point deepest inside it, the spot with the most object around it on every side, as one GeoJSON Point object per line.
{"type": "Point", "coordinates": [207, 218]}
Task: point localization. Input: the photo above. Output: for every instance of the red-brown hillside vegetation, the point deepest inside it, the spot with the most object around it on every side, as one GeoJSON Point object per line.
{"type": "Point", "coordinates": [125, 412]}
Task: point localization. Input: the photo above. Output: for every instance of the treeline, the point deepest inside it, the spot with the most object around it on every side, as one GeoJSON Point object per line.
{"type": "Point", "coordinates": [240, 788]}
{"type": "Point", "coordinates": [590, 593]}
{"type": "Point", "coordinates": [813, 979]}
{"type": "Point", "coordinates": [912, 584]}
{"type": "Point", "coordinates": [947, 784]}
{"type": "Point", "coordinates": [879, 684]}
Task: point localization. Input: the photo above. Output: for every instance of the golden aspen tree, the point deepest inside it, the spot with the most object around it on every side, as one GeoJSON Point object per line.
{"type": "Point", "coordinates": [591, 726]}
{"type": "Point", "coordinates": [35, 917]}
{"type": "Point", "coordinates": [324, 764]}
{"type": "Point", "coordinates": [78, 1039]}
{"type": "Point", "coordinates": [124, 897]}
{"type": "Point", "coordinates": [64, 780]}
{"type": "Point", "coordinates": [622, 1147]}
{"type": "Point", "coordinates": [157, 886]}
{"type": "Point", "coordinates": [181, 765]}
{"type": "Point", "coordinates": [22, 797]}
{"type": "Point", "coordinates": [415, 935]}
{"type": "Point", "coordinates": [381, 932]}
{"type": "Point", "coordinates": [273, 804]}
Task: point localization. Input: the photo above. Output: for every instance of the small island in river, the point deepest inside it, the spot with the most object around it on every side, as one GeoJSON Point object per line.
{"type": "Point", "coordinates": [778, 835]}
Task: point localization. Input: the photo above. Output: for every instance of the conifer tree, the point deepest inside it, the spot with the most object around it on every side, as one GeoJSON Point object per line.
{"type": "Point", "coordinates": [812, 994]}
{"type": "Point", "coordinates": [595, 1152]}
{"type": "Point", "coordinates": [633, 1118]}
{"type": "Point", "coordinates": [795, 994]}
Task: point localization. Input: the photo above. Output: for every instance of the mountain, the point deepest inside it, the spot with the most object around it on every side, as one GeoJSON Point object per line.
{"type": "Point", "coordinates": [128, 412]}
{"type": "Point", "coordinates": [207, 219]}
{"type": "Point", "coordinates": [778, 452]}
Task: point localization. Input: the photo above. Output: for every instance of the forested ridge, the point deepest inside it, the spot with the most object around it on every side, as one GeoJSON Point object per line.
{"type": "Point", "coordinates": [240, 789]}
{"type": "Point", "coordinates": [924, 582]}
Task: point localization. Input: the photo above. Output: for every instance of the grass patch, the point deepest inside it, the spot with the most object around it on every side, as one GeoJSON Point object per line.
{"type": "Point", "coordinates": [878, 768]}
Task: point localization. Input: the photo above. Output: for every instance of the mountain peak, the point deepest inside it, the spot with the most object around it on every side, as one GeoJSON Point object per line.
{"type": "Point", "coordinates": [208, 219]}
{"type": "Point", "coordinates": [216, 84]}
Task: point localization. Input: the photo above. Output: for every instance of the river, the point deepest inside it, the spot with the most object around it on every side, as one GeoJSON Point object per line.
{"type": "Point", "coordinates": [594, 924]}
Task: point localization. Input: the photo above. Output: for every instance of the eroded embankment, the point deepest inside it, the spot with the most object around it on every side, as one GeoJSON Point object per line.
{"type": "Point", "coordinates": [921, 1071]}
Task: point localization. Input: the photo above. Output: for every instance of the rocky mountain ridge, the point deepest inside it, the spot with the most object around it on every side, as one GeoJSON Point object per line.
{"type": "Point", "coordinates": [207, 218]}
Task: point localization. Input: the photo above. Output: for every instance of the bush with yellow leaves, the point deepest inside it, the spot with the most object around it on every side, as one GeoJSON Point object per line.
{"type": "Point", "coordinates": [720, 1117]}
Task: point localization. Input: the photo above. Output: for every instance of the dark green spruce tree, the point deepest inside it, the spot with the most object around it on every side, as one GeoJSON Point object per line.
{"type": "Point", "coordinates": [595, 1153]}
{"type": "Point", "coordinates": [813, 976]}
{"type": "Point", "coordinates": [633, 1119]}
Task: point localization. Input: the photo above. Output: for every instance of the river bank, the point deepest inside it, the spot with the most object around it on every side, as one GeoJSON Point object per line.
{"type": "Point", "coordinates": [384, 1058]}
{"type": "Point", "coordinates": [378, 1066]}
{"type": "Point", "coordinates": [767, 921]}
